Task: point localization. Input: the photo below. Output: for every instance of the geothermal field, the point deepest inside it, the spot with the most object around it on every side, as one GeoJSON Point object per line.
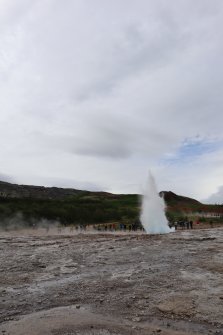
{"type": "Point", "coordinates": [69, 283]}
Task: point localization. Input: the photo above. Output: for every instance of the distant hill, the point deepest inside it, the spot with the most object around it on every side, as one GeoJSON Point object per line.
{"type": "Point", "coordinates": [180, 205]}
{"type": "Point", "coordinates": [66, 205]}
{"type": "Point", "coordinates": [171, 197]}
{"type": "Point", "coordinates": [71, 206]}
{"type": "Point", "coordinates": [8, 190]}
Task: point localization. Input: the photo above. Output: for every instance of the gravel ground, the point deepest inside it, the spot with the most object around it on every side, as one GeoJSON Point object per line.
{"type": "Point", "coordinates": [107, 284]}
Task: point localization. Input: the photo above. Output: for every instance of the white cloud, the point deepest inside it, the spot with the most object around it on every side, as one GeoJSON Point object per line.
{"type": "Point", "coordinates": [99, 92]}
{"type": "Point", "coordinates": [216, 198]}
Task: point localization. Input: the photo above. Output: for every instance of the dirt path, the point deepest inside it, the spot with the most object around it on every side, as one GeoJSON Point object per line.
{"type": "Point", "coordinates": [109, 284]}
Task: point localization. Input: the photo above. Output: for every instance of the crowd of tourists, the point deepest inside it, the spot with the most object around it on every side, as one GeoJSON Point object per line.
{"type": "Point", "coordinates": [182, 224]}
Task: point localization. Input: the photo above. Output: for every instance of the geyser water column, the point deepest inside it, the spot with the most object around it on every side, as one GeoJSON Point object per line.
{"type": "Point", "coordinates": [153, 216]}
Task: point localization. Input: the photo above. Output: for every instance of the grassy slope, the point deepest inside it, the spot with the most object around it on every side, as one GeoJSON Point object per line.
{"type": "Point", "coordinates": [94, 207]}
{"type": "Point", "coordinates": [84, 208]}
{"type": "Point", "coordinates": [178, 207]}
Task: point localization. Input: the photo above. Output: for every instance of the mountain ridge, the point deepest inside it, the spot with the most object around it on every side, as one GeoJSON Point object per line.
{"type": "Point", "coordinates": [12, 190]}
{"type": "Point", "coordinates": [9, 190]}
{"type": "Point", "coordinates": [71, 206]}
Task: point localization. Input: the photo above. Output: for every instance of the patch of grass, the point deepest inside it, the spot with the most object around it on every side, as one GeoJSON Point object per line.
{"type": "Point", "coordinates": [80, 209]}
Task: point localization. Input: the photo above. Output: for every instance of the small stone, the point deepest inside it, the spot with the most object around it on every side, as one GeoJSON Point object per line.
{"type": "Point", "coordinates": [78, 306]}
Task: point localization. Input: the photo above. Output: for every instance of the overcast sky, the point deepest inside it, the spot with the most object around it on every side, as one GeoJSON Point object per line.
{"type": "Point", "coordinates": [93, 94]}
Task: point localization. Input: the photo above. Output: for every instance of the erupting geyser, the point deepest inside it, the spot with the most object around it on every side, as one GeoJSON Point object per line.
{"type": "Point", "coordinates": [153, 216]}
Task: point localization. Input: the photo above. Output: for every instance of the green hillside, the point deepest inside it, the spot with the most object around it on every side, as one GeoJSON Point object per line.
{"type": "Point", "coordinates": [180, 208]}
{"type": "Point", "coordinates": [31, 204]}
{"type": "Point", "coordinates": [84, 208]}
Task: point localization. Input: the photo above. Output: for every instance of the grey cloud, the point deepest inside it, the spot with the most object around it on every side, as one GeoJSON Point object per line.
{"type": "Point", "coordinates": [103, 146]}
{"type": "Point", "coordinates": [114, 84]}
{"type": "Point", "coordinates": [133, 51]}
{"type": "Point", "coordinates": [12, 13]}
{"type": "Point", "coordinates": [115, 137]}
{"type": "Point", "coordinates": [99, 142]}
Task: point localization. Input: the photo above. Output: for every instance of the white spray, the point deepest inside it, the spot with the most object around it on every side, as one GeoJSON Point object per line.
{"type": "Point", "coordinates": [153, 216]}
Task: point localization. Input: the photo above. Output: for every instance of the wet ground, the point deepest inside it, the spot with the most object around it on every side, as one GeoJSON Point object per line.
{"type": "Point", "coordinates": [107, 284]}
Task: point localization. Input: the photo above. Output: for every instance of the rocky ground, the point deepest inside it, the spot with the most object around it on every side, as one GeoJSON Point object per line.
{"type": "Point", "coordinates": [107, 284]}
